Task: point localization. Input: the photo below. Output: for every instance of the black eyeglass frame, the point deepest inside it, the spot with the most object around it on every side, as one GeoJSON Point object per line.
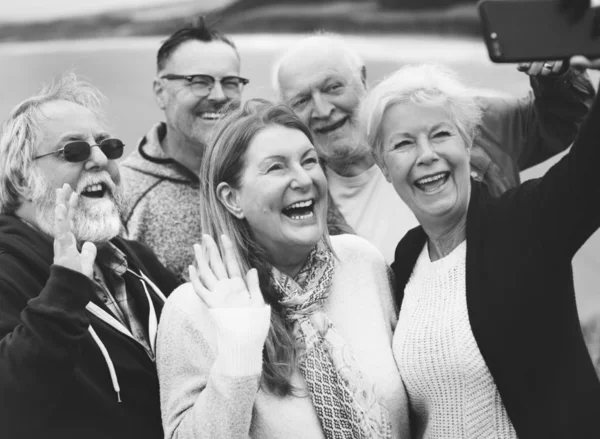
{"type": "Point", "coordinates": [190, 78]}
{"type": "Point", "coordinates": [111, 152]}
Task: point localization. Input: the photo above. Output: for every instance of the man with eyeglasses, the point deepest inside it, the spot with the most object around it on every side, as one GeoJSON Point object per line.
{"type": "Point", "coordinates": [197, 81]}
{"type": "Point", "coordinates": [79, 306]}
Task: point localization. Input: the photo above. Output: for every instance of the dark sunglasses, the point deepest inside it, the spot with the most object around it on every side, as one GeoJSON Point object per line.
{"type": "Point", "coordinates": [80, 150]}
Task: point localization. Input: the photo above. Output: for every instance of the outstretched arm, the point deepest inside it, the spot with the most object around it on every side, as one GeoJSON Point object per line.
{"type": "Point", "coordinates": [564, 203]}
{"type": "Point", "coordinates": [516, 134]}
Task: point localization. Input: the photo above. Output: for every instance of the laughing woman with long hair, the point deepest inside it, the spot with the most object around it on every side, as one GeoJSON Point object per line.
{"type": "Point", "coordinates": [283, 331]}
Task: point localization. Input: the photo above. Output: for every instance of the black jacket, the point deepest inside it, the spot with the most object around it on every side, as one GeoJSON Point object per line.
{"type": "Point", "coordinates": [520, 294]}
{"type": "Point", "coordinates": [54, 379]}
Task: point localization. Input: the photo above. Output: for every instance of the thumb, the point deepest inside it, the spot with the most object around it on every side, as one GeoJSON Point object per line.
{"type": "Point", "coordinates": [88, 256]}
{"type": "Point", "coordinates": [254, 287]}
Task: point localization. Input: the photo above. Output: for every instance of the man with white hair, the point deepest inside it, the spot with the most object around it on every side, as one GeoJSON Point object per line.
{"type": "Point", "coordinates": [79, 306]}
{"type": "Point", "coordinates": [324, 81]}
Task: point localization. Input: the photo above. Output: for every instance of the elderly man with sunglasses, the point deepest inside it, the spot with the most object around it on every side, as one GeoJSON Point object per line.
{"type": "Point", "coordinates": [79, 306]}
{"type": "Point", "coordinates": [197, 81]}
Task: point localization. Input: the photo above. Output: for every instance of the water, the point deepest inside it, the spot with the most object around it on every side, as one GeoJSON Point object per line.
{"type": "Point", "coordinates": [124, 69]}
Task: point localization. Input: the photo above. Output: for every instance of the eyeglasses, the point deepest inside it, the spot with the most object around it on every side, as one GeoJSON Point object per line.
{"type": "Point", "coordinates": [202, 85]}
{"type": "Point", "coordinates": [80, 150]}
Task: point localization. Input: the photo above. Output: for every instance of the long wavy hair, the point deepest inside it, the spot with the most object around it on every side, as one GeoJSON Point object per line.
{"type": "Point", "coordinates": [225, 161]}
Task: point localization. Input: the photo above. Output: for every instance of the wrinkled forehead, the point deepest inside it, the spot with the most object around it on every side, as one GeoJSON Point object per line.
{"type": "Point", "coordinates": [56, 118]}
{"type": "Point", "coordinates": [309, 69]}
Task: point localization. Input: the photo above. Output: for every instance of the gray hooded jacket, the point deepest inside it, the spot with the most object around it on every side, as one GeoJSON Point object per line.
{"type": "Point", "coordinates": [162, 203]}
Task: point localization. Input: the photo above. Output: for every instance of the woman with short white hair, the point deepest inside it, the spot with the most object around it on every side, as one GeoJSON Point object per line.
{"type": "Point", "coordinates": [488, 341]}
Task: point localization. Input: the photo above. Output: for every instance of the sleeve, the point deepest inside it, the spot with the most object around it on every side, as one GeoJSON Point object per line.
{"type": "Point", "coordinates": [518, 133]}
{"type": "Point", "coordinates": [563, 205]}
{"type": "Point", "coordinates": [205, 392]}
{"type": "Point", "coordinates": [39, 344]}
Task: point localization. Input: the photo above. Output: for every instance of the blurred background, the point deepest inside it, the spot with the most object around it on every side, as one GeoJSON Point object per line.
{"type": "Point", "coordinates": [113, 44]}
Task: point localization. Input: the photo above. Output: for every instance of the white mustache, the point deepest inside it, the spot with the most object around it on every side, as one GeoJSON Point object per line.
{"type": "Point", "coordinates": [96, 178]}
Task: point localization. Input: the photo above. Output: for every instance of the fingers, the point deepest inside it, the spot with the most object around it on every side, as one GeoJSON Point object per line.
{"type": "Point", "coordinates": [253, 285]}
{"type": "Point", "coordinates": [73, 198]}
{"type": "Point", "coordinates": [63, 194]}
{"type": "Point", "coordinates": [540, 68]}
{"type": "Point", "coordinates": [214, 257]}
{"type": "Point", "coordinates": [231, 262]}
{"type": "Point", "coordinates": [202, 292]}
{"type": "Point", "coordinates": [558, 65]}
{"type": "Point", "coordinates": [204, 272]}
{"type": "Point", "coordinates": [88, 256]}
{"type": "Point", "coordinates": [586, 63]}
{"type": "Point", "coordinates": [523, 66]}
{"type": "Point", "coordinates": [536, 68]}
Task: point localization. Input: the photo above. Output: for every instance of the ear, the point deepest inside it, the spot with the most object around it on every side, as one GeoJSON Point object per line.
{"type": "Point", "coordinates": [159, 93]}
{"type": "Point", "coordinates": [22, 189]}
{"type": "Point", "coordinates": [384, 169]}
{"type": "Point", "coordinates": [363, 76]}
{"type": "Point", "coordinates": [385, 172]}
{"type": "Point", "coordinates": [229, 197]}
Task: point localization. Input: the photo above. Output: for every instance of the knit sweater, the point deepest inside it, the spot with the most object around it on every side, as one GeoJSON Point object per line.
{"type": "Point", "coordinates": [451, 390]}
{"type": "Point", "coordinates": [520, 294]}
{"type": "Point", "coordinates": [210, 380]}
{"type": "Point", "coordinates": [163, 203]}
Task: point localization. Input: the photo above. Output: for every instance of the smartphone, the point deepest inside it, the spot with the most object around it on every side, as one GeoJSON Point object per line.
{"type": "Point", "coordinates": [534, 30]}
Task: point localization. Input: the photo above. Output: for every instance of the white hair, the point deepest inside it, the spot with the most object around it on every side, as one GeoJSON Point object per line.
{"type": "Point", "coordinates": [427, 84]}
{"type": "Point", "coordinates": [322, 41]}
{"type": "Point", "coordinates": [21, 134]}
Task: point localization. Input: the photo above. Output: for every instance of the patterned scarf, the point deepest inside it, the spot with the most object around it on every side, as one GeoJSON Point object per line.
{"type": "Point", "coordinates": [344, 400]}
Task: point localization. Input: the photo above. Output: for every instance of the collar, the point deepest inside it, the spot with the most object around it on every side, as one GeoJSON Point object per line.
{"type": "Point", "coordinates": [150, 148]}
{"type": "Point", "coordinates": [111, 258]}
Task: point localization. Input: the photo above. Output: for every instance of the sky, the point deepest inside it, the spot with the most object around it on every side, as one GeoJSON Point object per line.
{"type": "Point", "coordinates": [28, 10]}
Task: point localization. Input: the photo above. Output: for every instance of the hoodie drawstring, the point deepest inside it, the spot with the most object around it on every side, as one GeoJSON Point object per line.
{"type": "Point", "coordinates": [104, 316]}
{"type": "Point", "coordinates": [109, 363]}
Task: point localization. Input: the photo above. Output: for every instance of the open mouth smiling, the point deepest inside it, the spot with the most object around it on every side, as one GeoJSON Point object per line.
{"type": "Point", "coordinates": [96, 190]}
{"type": "Point", "coordinates": [300, 210]}
{"type": "Point", "coordinates": [210, 116]}
{"type": "Point", "coordinates": [433, 182]}
{"type": "Point", "coordinates": [334, 126]}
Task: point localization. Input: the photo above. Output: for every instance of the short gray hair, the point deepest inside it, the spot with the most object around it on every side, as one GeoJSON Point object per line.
{"type": "Point", "coordinates": [20, 134]}
{"type": "Point", "coordinates": [420, 84]}
{"type": "Point", "coordinates": [318, 41]}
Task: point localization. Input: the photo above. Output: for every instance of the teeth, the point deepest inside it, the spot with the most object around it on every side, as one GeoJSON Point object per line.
{"type": "Point", "coordinates": [300, 204]}
{"type": "Point", "coordinates": [430, 179]}
{"type": "Point", "coordinates": [211, 116]}
{"type": "Point", "coordinates": [301, 217]}
{"type": "Point", "coordinates": [93, 188]}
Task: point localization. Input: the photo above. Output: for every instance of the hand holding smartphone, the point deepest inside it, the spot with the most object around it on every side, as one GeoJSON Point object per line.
{"type": "Point", "coordinates": [529, 30]}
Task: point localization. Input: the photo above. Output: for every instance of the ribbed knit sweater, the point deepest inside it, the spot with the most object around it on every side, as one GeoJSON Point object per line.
{"type": "Point", "coordinates": [451, 391]}
{"type": "Point", "coordinates": [209, 360]}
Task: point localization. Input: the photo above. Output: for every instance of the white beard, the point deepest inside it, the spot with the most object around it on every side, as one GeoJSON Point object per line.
{"type": "Point", "coordinates": [96, 222]}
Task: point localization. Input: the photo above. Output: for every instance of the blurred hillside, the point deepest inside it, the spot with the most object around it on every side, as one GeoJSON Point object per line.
{"type": "Point", "coordinates": [457, 17]}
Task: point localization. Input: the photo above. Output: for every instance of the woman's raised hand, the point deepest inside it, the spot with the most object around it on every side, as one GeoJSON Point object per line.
{"type": "Point", "coordinates": [221, 285]}
{"type": "Point", "coordinates": [66, 252]}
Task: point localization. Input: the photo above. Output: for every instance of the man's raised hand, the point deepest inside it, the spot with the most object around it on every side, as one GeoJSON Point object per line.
{"type": "Point", "coordinates": [66, 252]}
